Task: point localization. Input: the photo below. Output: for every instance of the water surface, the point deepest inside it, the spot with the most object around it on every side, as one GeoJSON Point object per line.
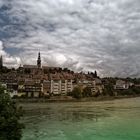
{"type": "Point", "coordinates": [109, 120]}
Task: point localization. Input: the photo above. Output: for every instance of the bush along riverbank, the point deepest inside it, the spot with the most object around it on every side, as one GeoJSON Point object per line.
{"type": "Point", "coordinates": [10, 126]}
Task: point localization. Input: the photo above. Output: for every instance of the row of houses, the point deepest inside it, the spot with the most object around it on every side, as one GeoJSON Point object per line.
{"type": "Point", "coordinates": [54, 87]}
{"type": "Point", "coordinates": [37, 88]}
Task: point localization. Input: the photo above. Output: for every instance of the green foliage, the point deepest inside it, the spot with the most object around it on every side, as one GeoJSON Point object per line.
{"type": "Point", "coordinates": [125, 92]}
{"type": "Point", "coordinates": [108, 90]}
{"type": "Point", "coordinates": [77, 93]}
{"type": "Point", "coordinates": [27, 71]}
{"type": "Point", "coordinates": [10, 127]}
{"type": "Point", "coordinates": [4, 70]}
{"type": "Point", "coordinates": [87, 92]}
{"type": "Point", "coordinates": [136, 81]}
{"type": "Point", "coordinates": [131, 91]}
{"type": "Point", "coordinates": [97, 94]}
{"type": "Point", "coordinates": [136, 90]}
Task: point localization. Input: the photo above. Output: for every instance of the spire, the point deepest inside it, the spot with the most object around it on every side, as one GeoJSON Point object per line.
{"type": "Point", "coordinates": [96, 73]}
{"type": "Point", "coordinates": [39, 60]}
{"type": "Point", "coordinates": [1, 62]}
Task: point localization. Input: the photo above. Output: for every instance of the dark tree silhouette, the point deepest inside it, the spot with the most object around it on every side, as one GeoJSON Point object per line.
{"type": "Point", "coordinates": [10, 127]}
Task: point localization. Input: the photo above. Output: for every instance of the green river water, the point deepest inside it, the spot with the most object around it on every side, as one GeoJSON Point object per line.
{"type": "Point", "coordinates": [108, 120]}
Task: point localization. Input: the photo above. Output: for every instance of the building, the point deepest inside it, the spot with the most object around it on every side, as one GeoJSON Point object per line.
{"type": "Point", "coordinates": [63, 86]}
{"type": "Point", "coordinates": [57, 87]}
{"type": "Point", "coordinates": [69, 86]}
{"type": "Point", "coordinates": [86, 83]}
{"type": "Point", "coordinates": [33, 89]}
{"type": "Point", "coordinates": [99, 85]}
{"type": "Point", "coordinates": [92, 86]}
{"type": "Point", "coordinates": [66, 86]}
{"type": "Point", "coordinates": [46, 87]}
{"type": "Point", "coordinates": [39, 61]}
{"type": "Point", "coordinates": [121, 85]}
{"type": "Point", "coordinates": [21, 87]}
{"type": "Point", "coordinates": [37, 80]}
{"type": "Point", "coordinates": [12, 89]}
{"type": "Point", "coordinates": [33, 69]}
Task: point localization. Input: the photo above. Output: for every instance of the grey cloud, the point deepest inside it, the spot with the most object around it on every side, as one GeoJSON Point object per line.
{"type": "Point", "coordinates": [82, 34]}
{"type": "Point", "coordinates": [8, 59]}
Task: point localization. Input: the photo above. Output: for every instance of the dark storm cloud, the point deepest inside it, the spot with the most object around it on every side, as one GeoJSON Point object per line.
{"type": "Point", "coordinates": [82, 34]}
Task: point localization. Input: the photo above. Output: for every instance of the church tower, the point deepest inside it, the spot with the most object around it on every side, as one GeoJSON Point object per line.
{"type": "Point", "coordinates": [1, 62]}
{"type": "Point", "coordinates": [39, 61]}
{"type": "Point", "coordinates": [95, 73]}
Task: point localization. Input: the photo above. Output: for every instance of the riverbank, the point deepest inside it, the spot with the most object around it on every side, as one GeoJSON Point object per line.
{"type": "Point", "coordinates": [70, 99]}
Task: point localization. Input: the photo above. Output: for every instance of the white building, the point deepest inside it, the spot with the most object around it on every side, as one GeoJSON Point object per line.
{"type": "Point", "coordinates": [61, 86]}
{"type": "Point", "coordinates": [120, 84]}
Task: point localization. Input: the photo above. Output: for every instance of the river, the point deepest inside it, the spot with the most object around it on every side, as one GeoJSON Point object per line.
{"type": "Point", "coordinates": [108, 120]}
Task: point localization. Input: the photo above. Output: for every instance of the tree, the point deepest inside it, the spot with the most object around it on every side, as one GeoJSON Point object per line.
{"type": "Point", "coordinates": [108, 90]}
{"type": "Point", "coordinates": [65, 69]}
{"type": "Point", "coordinates": [10, 127]}
{"type": "Point", "coordinates": [87, 92]}
{"type": "Point", "coordinates": [4, 70]}
{"type": "Point", "coordinates": [77, 93]}
{"type": "Point", "coordinates": [27, 71]}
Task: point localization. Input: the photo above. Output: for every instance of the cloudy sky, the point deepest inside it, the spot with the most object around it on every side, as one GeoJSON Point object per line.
{"type": "Point", "coordinates": [83, 35]}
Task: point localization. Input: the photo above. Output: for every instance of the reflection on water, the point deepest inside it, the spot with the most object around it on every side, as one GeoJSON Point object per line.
{"type": "Point", "coordinates": [110, 120]}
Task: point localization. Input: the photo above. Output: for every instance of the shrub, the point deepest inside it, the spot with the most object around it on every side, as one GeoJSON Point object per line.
{"type": "Point", "coordinates": [10, 127]}
{"type": "Point", "coordinates": [77, 93]}
{"type": "Point", "coordinates": [87, 92]}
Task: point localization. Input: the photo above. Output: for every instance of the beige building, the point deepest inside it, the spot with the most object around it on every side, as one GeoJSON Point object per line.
{"type": "Point", "coordinates": [57, 86]}
{"type": "Point", "coordinates": [95, 85]}
{"type": "Point", "coordinates": [99, 85]}
{"type": "Point", "coordinates": [46, 87]}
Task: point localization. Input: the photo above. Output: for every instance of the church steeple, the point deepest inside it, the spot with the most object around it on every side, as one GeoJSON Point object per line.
{"type": "Point", "coordinates": [95, 73]}
{"type": "Point", "coordinates": [39, 60]}
{"type": "Point", "coordinates": [1, 62]}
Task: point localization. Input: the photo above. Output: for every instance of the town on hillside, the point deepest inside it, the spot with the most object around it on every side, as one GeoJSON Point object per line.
{"type": "Point", "coordinates": [34, 81]}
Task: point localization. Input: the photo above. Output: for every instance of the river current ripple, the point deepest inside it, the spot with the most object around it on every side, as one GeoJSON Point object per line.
{"type": "Point", "coordinates": [108, 120]}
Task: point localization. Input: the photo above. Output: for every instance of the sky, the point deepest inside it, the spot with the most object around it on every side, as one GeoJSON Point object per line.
{"type": "Point", "coordinates": [83, 35]}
